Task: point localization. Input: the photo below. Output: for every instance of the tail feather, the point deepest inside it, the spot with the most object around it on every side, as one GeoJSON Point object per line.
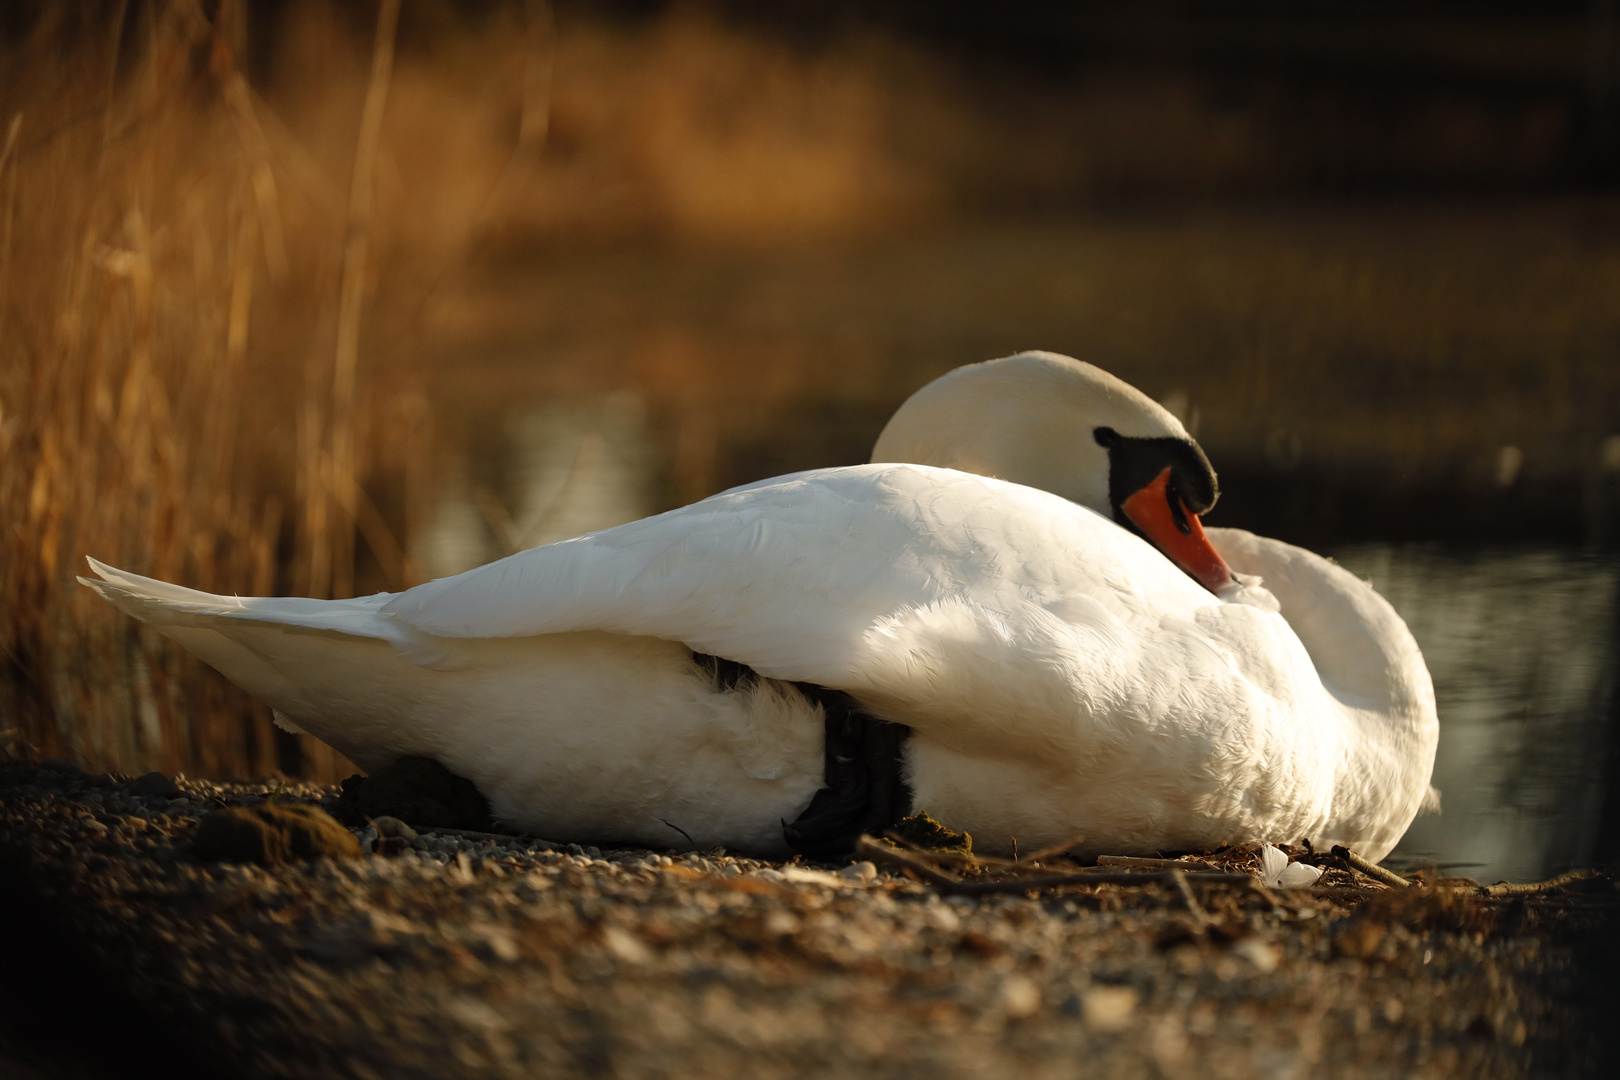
{"type": "Point", "coordinates": [162, 604]}
{"type": "Point", "coordinates": [150, 588]}
{"type": "Point", "coordinates": [322, 665]}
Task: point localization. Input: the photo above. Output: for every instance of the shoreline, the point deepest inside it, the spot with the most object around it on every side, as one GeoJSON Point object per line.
{"type": "Point", "coordinates": [484, 957]}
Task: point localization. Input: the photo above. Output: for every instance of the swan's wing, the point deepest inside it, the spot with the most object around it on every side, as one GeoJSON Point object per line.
{"type": "Point", "coordinates": [793, 575]}
{"type": "Point", "coordinates": [151, 600]}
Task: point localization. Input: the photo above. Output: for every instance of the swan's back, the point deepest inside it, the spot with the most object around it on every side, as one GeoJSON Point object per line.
{"type": "Point", "coordinates": [792, 575]}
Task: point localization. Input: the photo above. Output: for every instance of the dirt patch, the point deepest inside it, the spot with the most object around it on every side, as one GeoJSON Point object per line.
{"type": "Point", "coordinates": [462, 956]}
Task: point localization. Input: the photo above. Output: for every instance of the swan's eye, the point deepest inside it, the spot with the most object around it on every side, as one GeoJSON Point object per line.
{"type": "Point", "coordinates": [1105, 436]}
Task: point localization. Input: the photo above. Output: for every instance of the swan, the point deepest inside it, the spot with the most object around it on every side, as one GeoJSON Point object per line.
{"type": "Point", "coordinates": [1012, 618]}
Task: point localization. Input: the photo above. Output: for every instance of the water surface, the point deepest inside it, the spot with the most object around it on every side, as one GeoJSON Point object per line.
{"type": "Point", "coordinates": [1522, 646]}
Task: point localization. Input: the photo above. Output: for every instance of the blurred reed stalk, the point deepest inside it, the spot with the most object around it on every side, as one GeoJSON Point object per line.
{"type": "Point", "coordinates": [165, 264]}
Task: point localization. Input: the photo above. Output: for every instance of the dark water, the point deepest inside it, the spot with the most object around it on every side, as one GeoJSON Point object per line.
{"type": "Point", "coordinates": [1522, 646]}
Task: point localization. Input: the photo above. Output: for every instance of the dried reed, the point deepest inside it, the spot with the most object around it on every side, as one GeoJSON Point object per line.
{"type": "Point", "coordinates": [155, 241]}
{"type": "Point", "coordinates": [190, 308]}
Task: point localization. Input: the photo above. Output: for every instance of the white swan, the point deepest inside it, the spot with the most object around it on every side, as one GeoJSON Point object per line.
{"type": "Point", "coordinates": [1057, 673]}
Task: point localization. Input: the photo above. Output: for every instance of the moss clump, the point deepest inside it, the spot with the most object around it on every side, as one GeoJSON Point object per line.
{"type": "Point", "coordinates": [418, 791]}
{"type": "Point", "coordinates": [273, 834]}
{"type": "Point", "coordinates": [922, 831]}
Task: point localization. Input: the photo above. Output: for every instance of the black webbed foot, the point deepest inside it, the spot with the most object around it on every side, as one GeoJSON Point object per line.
{"type": "Point", "coordinates": [865, 791]}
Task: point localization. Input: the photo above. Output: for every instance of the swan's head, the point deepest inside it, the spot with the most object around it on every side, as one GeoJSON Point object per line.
{"type": "Point", "coordinates": [1062, 425]}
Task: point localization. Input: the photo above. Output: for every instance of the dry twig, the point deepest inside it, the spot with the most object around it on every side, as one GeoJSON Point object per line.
{"type": "Point", "coordinates": [1056, 850]}
{"type": "Point", "coordinates": [1507, 888]}
{"type": "Point", "coordinates": [1371, 869]}
{"type": "Point", "coordinates": [974, 861]}
{"type": "Point", "coordinates": [1137, 863]}
{"type": "Point", "coordinates": [950, 858]}
{"type": "Point", "coordinates": [878, 852]}
{"type": "Point", "coordinates": [871, 848]}
{"type": "Point", "coordinates": [1200, 916]}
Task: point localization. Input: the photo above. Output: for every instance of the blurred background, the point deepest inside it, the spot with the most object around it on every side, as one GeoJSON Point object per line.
{"type": "Point", "coordinates": [325, 298]}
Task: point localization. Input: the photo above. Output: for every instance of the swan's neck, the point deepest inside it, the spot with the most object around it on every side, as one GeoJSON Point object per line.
{"type": "Point", "coordinates": [1372, 668]}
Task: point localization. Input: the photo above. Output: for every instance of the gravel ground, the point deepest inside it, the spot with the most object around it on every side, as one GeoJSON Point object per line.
{"type": "Point", "coordinates": [461, 956]}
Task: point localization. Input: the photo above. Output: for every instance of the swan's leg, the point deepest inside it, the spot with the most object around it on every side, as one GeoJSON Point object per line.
{"type": "Point", "coordinates": [866, 790]}
{"type": "Point", "coordinates": [863, 760]}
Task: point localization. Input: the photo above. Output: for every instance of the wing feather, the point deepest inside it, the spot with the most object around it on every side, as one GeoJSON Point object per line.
{"type": "Point", "coordinates": [792, 575]}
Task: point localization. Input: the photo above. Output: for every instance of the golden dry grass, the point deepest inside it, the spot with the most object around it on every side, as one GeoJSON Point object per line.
{"type": "Point", "coordinates": [172, 280]}
{"type": "Point", "coordinates": [211, 295]}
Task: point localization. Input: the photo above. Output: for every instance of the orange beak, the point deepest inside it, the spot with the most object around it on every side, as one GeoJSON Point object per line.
{"type": "Point", "coordinates": [1177, 533]}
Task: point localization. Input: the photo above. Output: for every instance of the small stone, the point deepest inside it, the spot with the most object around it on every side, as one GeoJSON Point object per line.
{"type": "Point", "coordinates": [861, 871]}
{"type": "Point", "coordinates": [1019, 996]}
{"type": "Point", "coordinates": [1108, 1008]}
{"type": "Point", "coordinates": [626, 946]}
{"type": "Point", "coordinates": [781, 924]}
{"type": "Point", "coordinates": [393, 828]}
{"type": "Point", "coordinates": [154, 785]}
{"type": "Point", "coordinates": [1262, 956]}
{"type": "Point", "coordinates": [273, 834]}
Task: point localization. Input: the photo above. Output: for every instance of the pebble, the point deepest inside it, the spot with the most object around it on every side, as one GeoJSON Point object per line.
{"type": "Point", "coordinates": [1108, 1008]}
{"type": "Point", "coordinates": [393, 827]}
{"type": "Point", "coordinates": [155, 784]}
{"type": "Point", "coordinates": [1018, 996]}
{"type": "Point", "coordinates": [1262, 956]}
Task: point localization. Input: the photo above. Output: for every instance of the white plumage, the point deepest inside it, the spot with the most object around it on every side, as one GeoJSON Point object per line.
{"type": "Point", "coordinates": [1059, 674]}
